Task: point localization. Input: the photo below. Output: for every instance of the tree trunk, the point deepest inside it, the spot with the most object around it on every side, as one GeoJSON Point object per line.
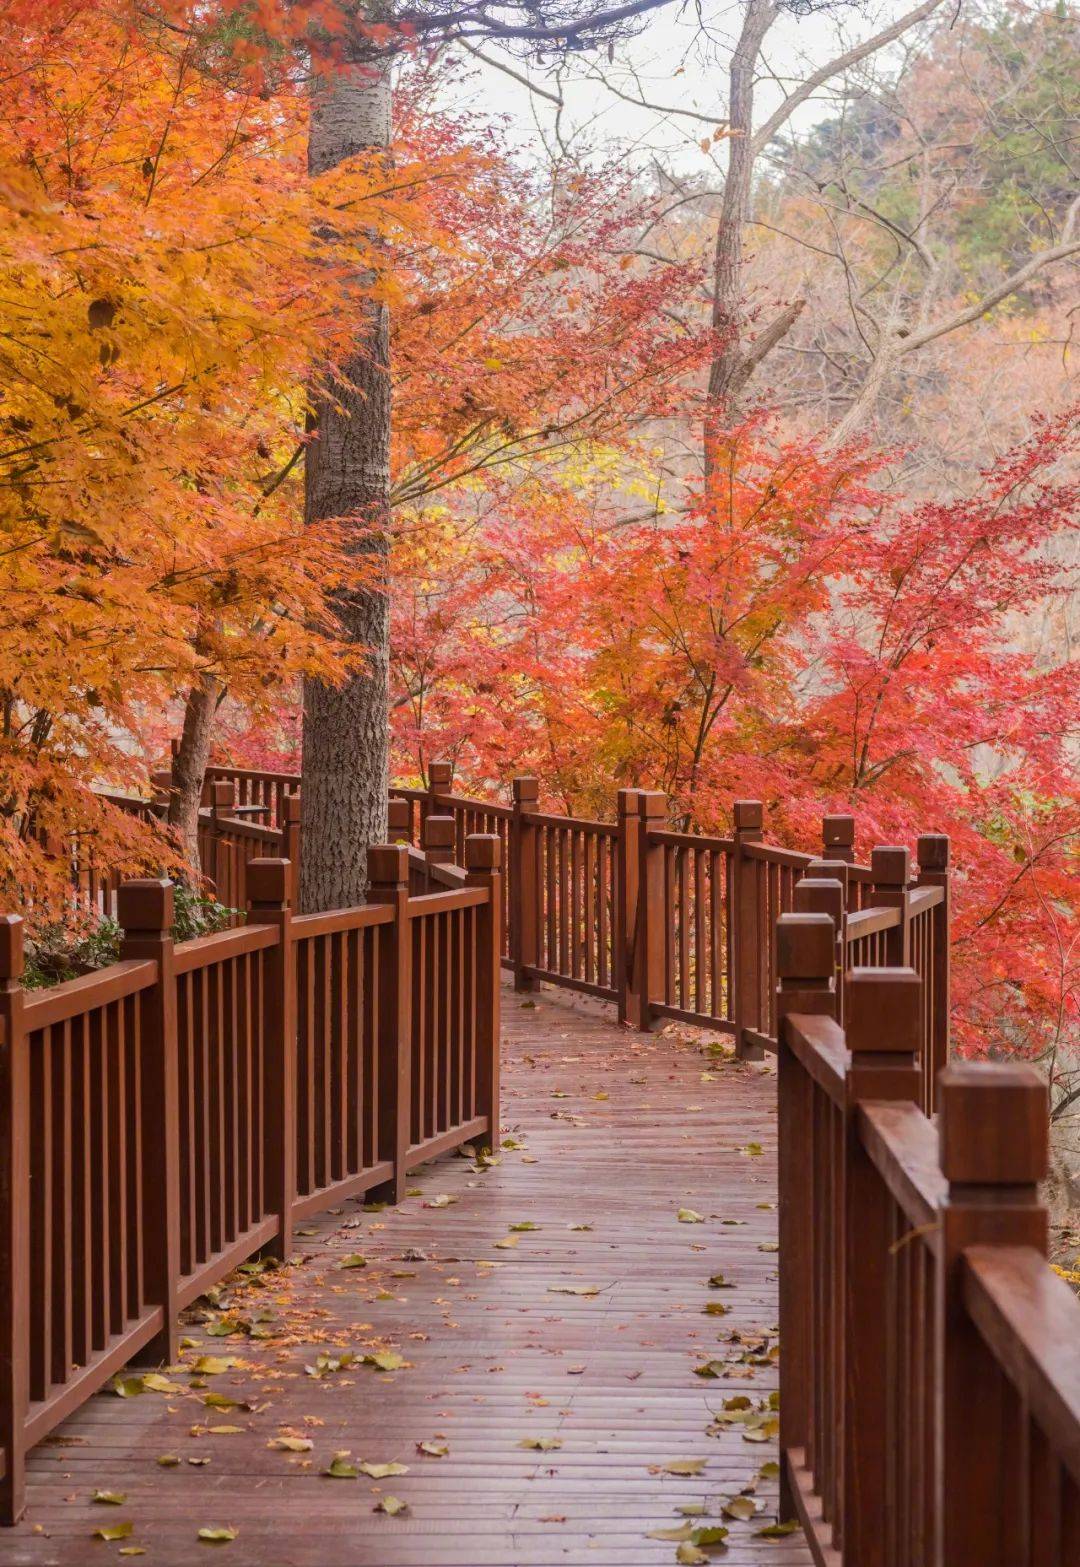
{"type": "Point", "coordinates": [189, 765]}
{"type": "Point", "coordinates": [347, 475]}
{"type": "Point", "coordinates": [728, 305]}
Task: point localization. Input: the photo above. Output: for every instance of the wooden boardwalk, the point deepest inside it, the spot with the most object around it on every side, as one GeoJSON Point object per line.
{"type": "Point", "coordinates": [610, 1135]}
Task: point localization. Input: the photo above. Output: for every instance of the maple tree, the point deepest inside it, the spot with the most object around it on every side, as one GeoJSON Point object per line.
{"type": "Point", "coordinates": [804, 637]}
{"type": "Point", "coordinates": [167, 293]}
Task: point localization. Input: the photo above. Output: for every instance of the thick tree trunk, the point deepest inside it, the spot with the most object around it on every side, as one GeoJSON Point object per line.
{"type": "Point", "coordinates": [189, 765]}
{"type": "Point", "coordinates": [345, 758]}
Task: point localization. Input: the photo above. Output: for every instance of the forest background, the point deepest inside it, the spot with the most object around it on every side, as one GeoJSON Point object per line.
{"type": "Point", "coordinates": [731, 420]}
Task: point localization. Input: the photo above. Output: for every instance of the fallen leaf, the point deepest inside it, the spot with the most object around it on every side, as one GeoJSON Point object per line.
{"type": "Point", "coordinates": [383, 1471]}
{"type": "Point", "coordinates": [353, 1260]}
{"type": "Point", "coordinates": [573, 1289]}
{"type": "Point", "coordinates": [216, 1534]}
{"type": "Point", "coordinates": [683, 1466]}
{"type": "Point", "coordinates": [291, 1444]}
{"type": "Point", "coordinates": [392, 1505]}
{"type": "Point", "coordinates": [340, 1467]}
{"type": "Point", "coordinates": [112, 1498]}
{"type": "Point", "coordinates": [690, 1216]}
{"type": "Point", "coordinates": [433, 1449]}
{"type": "Point", "coordinates": [115, 1531]}
{"type": "Point", "coordinates": [523, 1225]}
{"type": "Point", "coordinates": [542, 1444]}
{"type": "Point", "coordinates": [385, 1360]}
{"type": "Point", "coordinates": [741, 1507]}
{"type": "Point", "coordinates": [777, 1531]}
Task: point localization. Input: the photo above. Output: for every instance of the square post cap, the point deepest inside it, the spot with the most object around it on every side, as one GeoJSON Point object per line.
{"type": "Point", "coordinates": [440, 775]}
{"type": "Point", "coordinates": [748, 815]}
{"type": "Point", "coordinates": [483, 851]}
{"type": "Point", "coordinates": [932, 851]}
{"type": "Point", "coordinates": [388, 865]}
{"type": "Point", "coordinates": [652, 803]}
{"type": "Point", "coordinates": [890, 866]}
{"type": "Point", "coordinates": [805, 946]}
{"type": "Point", "coordinates": [883, 1011]}
{"type": "Point", "coordinates": [838, 831]}
{"type": "Point", "coordinates": [222, 794]}
{"type": "Point", "coordinates": [11, 946]}
{"type": "Point", "coordinates": [438, 832]}
{"type": "Point", "coordinates": [820, 895]}
{"type": "Point", "coordinates": [145, 904]}
{"type": "Point", "coordinates": [525, 788]}
{"type": "Point", "coordinates": [993, 1124]}
{"type": "Point", "coordinates": [269, 882]}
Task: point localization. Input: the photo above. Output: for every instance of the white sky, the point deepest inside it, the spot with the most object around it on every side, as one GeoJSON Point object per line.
{"type": "Point", "coordinates": [671, 43]}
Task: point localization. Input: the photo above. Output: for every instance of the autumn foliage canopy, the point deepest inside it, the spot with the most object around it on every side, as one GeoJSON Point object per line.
{"type": "Point", "coordinates": [176, 286]}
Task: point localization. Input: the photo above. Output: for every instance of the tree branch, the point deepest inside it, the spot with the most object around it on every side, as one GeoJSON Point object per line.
{"type": "Point", "coordinates": [843, 62]}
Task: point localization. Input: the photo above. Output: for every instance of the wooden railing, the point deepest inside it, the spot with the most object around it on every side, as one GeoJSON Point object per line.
{"type": "Point", "coordinates": [681, 925]}
{"type": "Point", "coordinates": [930, 1374]}
{"type": "Point", "coordinates": [167, 1117]}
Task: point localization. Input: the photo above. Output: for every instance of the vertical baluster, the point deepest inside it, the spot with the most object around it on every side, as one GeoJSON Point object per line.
{"type": "Point", "coordinates": [933, 860]}
{"type": "Point", "coordinates": [525, 892]}
{"type": "Point", "coordinates": [270, 887]}
{"type": "Point", "coordinates": [653, 922]}
{"type": "Point", "coordinates": [145, 910]}
{"type": "Point", "coordinates": [388, 877]}
{"type": "Point", "coordinates": [15, 1129]}
{"type": "Point", "coordinates": [589, 904]}
{"type": "Point", "coordinates": [483, 855]}
{"type": "Point", "coordinates": [749, 932]}
{"type": "Point", "coordinates": [631, 1001]}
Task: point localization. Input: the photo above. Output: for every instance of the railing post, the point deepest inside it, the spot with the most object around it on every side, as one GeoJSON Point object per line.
{"type": "Point", "coordinates": [747, 930]}
{"type": "Point", "coordinates": [14, 1221]}
{"type": "Point", "coordinates": [437, 836]}
{"type": "Point", "coordinates": [144, 910]}
{"type": "Point", "coordinates": [483, 863]}
{"type": "Point", "coordinates": [881, 1029]}
{"type": "Point", "coordinates": [440, 781]}
{"type": "Point", "coordinates": [647, 952]}
{"type": "Point", "coordinates": [838, 838]}
{"type": "Point", "coordinates": [388, 882]}
{"type": "Point", "coordinates": [399, 821]}
{"type": "Point", "coordinates": [524, 889]}
{"type": "Point", "coordinates": [890, 870]}
{"type": "Point", "coordinates": [805, 966]}
{"type": "Point", "coordinates": [271, 891]}
{"type": "Point", "coordinates": [933, 858]}
{"type": "Point", "coordinates": [627, 868]}
{"type": "Point", "coordinates": [221, 867]}
{"type": "Point", "coordinates": [290, 839]}
{"type": "Point", "coordinates": [820, 893]}
{"type": "Point", "coordinates": [993, 1138]}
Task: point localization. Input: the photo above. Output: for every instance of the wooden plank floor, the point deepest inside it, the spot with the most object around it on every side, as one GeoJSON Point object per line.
{"type": "Point", "coordinates": [612, 1133]}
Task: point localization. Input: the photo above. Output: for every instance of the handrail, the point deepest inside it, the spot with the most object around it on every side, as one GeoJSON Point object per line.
{"type": "Point", "coordinates": [903, 1145]}
{"type": "Point", "coordinates": [930, 1376]}
{"type": "Point", "coordinates": [818, 1042]}
{"type": "Point", "coordinates": [43, 1008]}
{"type": "Point", "coordinates": [1029, 1318]}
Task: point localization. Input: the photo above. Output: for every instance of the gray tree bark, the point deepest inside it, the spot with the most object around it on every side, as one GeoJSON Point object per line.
{"type": "Point", "coordinates": [189, 765]}
{"type": "Point", "coordinates": [347, 474]}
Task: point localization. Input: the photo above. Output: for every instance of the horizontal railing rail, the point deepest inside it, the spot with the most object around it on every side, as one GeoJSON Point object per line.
{"type": "Point", "coordinates": [930, 1375]}
{"type": "Point", "coordinates": [166, 1118]}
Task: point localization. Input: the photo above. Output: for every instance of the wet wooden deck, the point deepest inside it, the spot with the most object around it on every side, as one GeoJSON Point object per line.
{"type": "Point", "coordinates": [611, 1135]}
